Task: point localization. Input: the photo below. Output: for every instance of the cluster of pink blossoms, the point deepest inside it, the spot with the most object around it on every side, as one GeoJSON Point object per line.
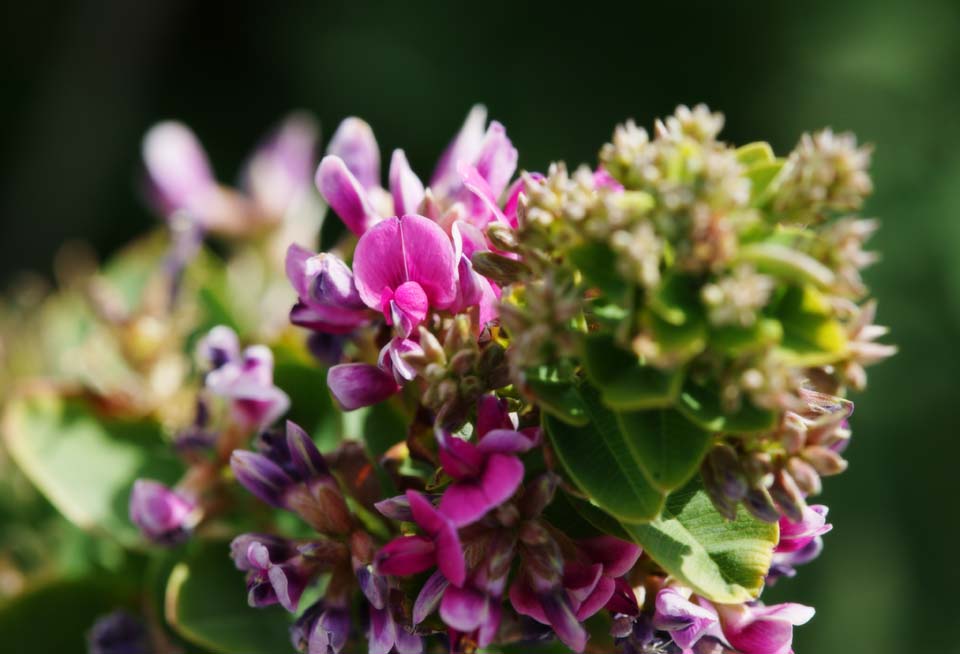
{"type": "Point", "coordinates": [473, 551]}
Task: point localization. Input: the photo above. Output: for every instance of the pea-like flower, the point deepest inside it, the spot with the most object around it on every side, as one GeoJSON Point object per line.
{"type": "Point", "coordinates": [328, 301]}
{"type": "Point", "coordinates": [164, 516]}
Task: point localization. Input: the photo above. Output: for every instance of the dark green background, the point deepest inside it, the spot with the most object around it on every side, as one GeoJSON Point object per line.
{"type": "Point", "coordinates": [83, 81]}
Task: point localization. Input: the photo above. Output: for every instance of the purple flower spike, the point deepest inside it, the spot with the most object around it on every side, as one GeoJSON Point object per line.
{"type": "Point", "coordinates": [485, 475]}
{"type": "Point", "coordinates": [248, 383]}
{"type": "Point", "coordinates": [405, 187]}
{"type": "Point", "coordinates": [355, 144]}
{"type": "Point", "coordinates": [356, 385]}
{"type": "Point", "coordinates": [180, 176]}
{"type": "Point", "coordinates": [279, 172]}
{"type": "Point", "coordinates": [795, 536]}
{"type": "Point", "coordinates": [762, 629]}
{"type": "Point", "coordinates": [328, 299]}
{"type": "Point", "coordinates": [345, 195]}
{"type": "Point", "coordinates": [164, 516]}
{"type": "Point", "coordinates": [685, 621]}
{"type": "Point", "coordinates": [402, 267]}
{"type": "Point", "coordinates": [440, 545]}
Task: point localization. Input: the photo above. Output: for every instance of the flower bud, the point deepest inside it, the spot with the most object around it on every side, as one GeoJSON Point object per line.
{"type": "Point", "coordinates": [163, 515]}
{"type": "Point", "coordinates": [499, 268]}
{"type": "Point", "coordinates": [824, 460]}
{"type": "Point", "coordinates": [805, 475]}
{"type": "Point", "coordinates": [725, 465]}
{"type": "Point", "coordinates": [788, 496]}
{"type": "Point", "coordinates": [759, 503]}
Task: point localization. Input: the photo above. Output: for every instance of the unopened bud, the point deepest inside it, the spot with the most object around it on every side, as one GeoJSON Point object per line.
{"type": "Point", "coordinates": [805, 475]}
{"type": "Point", "coordinates": [537, 494]}
{"type": "Point", "coordinates": [788, 496]}
{"type": "Point", "coordinates": [726, 469]}
{"type": "Point", "coordinates": [463, 362]}
{"type": "Point", "coordinates": [502, 237]}
{"type": "Point", "coordinates": [824, 460]}
{"type": "Point", "coordinates": [432, 348]}
{"type": "Point", "coordinates": [760, 505]}
{"type": "Point", "coordinates": [500, 269]}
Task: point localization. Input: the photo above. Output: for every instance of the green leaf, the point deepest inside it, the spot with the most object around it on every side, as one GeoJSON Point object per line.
{"type": "Point", "coordinates": [598, 460]}
{"type": "Point", "coordinates": [597, 263]}
{"type": "Point", "coordinates": [622, 380]}
{"type": "Point", "coordinates": [786, 263]}
{"type": "Point", "coordinates": [555, 395]}
{"type": "Point", "coordinates": [737, 341]}
{"type": "Point", "coordinates": [701, 405]}
{"type": "Point", "coordinates": [811, 336]}
{"type": "Point", "coordinates": [55, 617]}
{"type": "Point", "coordinates": [763, 181]}
{"type": "Point", "coordinates": [83, 464]}
{"type": "Point", "coordinates": [206, 604]}
{"type": "Point", "coordinates": [666, 446]}
{"type": "Point", "coordinates": [722, 560]}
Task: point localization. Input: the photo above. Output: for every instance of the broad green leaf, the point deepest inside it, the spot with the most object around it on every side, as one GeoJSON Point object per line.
{"type": "Point", "coordinates": [666, 446]}
{"type": "Point", "coordinates": [597, 263]}
{"type": "Point", "coordinates": [676, 300]}
{"type": "Point", "coordinates": [598, 460]}
{"type": "Point", "coordinates": [811, 336]}
{"type": "Point", "coordinates": [702, 406]}
{"type": "Point", "coordinates": [722, 560]}
{"type": "Point", "coordinates": [83, 464]}
{"type": "Point", "coordinates": [555, 395]}
{"type": "Point", "coordinates": [206, 603]}
{"type": "Point", "coordinates": [55, 617]}
{"type": "Point", "coordinates": [754, 153]}
{"type": "Point", "coordinates": [737, 341]}
{"type": "Point", "coordinates": [581, 519]}
{"type": "Point", "coordinates": [622, 380]}
{"type": "Point", "coordinates": [786, 263]}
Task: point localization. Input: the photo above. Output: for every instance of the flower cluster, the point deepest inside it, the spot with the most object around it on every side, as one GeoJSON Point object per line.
{"type": "Point", "coordinates": [541, 378]}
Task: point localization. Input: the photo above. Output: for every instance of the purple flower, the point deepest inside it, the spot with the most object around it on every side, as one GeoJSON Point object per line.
{"type": "Point", "coordinates": [405, 187]}
{"type": "Point", "coordinates": [685, 621]}
{"type": "Point", "coordinates": [178, 172]}
{"type": "Point", "coordinates": [593, 591]}
{"type": "Point", "coordinates": [163, 515]}
{"type": "Point", "coordinates": [356, 385]}
{"type": "Point", "coordinates": [549, 606]}
{"type": "Point", "coordinates": [276, 572]}
{"type": "Point", "coordinates": [118, 633]}
{"type": "Point", "coordinates": [386, 635]}
{"type": "Point", "coordinates": [440, 545]}
{"type": "Point", "coordinates": [246, 380]}
{"type": "Point", "coordinates": [355, 145]}
{"type": "Point", "coordinates": [328, 299]}
{"type": "Point", "coordinates": [323, 628]}
{"type": "Point", "coordinates": [473, 289]}
{"type": "Point", "coordinates": [465, 146]}
{"type": "Point", "coordinates": [761, 629]}
{"type": "Point", "coordinates": [278, 174]}
{"type": "Point", "coordinates": [403, 267]}
{"type": "Point", "coordinates": [290, 473]}
{"type": "Point", "coordinates": [484, 475]}
{"type": "Point", "coordinates": [795, 536]}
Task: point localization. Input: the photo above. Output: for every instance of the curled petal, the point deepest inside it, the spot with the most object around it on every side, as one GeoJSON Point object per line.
{"type": "Point", "coordinates": [328, 319]}
{"type": "Point", "coordinates": [261, 476]}
{"type": "Point", "coordinates": [617, 556]}
{"type": "Point", "coordinates": [179, 172]}
{"type": "Point", "coordinates": [429, 597]}
{"type": "Point", "coordinates": [685, 621]}
{"type": "Point", "coordinates": [506, 441]}
{"type": "Point", "coordinates": [443, 532]}
{"type": "Point", "coordinates": [406, 555]}
{"type": "Point", "coordinates": [345, 195]}
{"type": "Point", "coordinates": [355, 144]}
{"type": "Point", "coordinates": [465, 502]}
{"type": "Point", "coordinates": [163, 515]}
{"type": "Point", "coordinates": [497, 160]}
{"type": "Point", "coordinates": [464, 147]}
{"type": "Point", "coordinates": [762, 629]}
{"type": "Point", "coordinates": [279, 171]}
{"type": "Point", "coordinates": [405, 187]}
{"type": "Point", "coordinates": [463, 609]}
{"type": "Point", "coordinates": [304, 455]}
{"type": "Point", "coordinates": [561, 617]}
{"type": "Point", "coordinates": [383, 631]}
{"type": "Point", "coordinates": [795, 536]}
{"type": "Point", "coordinates": [356, 385]}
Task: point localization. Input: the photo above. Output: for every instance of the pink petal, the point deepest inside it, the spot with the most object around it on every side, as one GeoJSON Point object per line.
{"type": "Point", "coordinates": [429, 597]}
{"type": "Point", "coordinates": [345, 195]}
{"type": "Point", "coordinates": [492, 414]}
{"type": "Point", "coordinates": [464, 147]}
{"type": "Point", "coordinates": [581, 580]}
{"type": "Point", "coordinates": [501, 478]}
{"type": "Point", "coordinates": [383, 631]}
{"type": "Point", "coordinates": [685, 621]}
{"type": "Point", "coordinates": [525, 602]}
{"type": "Point", "coordinates": [296, 269]}
{"type": "Point", "coordinates": [762, 629]}
{"type": "Point", "coordinates": [460, 459]}
{"type": "Point", "coordinates": [177, 165]}
{"type": "Point", "coordinates": [564, 622]}
{"type": "Point", "coordinates": [405, 187]}
{"type": "Point", "coordinates": [406, 555]}
{"type": "Point", "coordinates": [429, 259]}
{"type": "Point", "coordinates": [478, 186]}
{"type": "Point", "coordinates": [505, 441]}
{"type": "Point", "coordinates": [408, 307]}
{"type": "Point", "coordinates": [597, 599]}
{"type": "Point", "coordinates": [328, 319]}
{"type": "Point", "coordinates": [356, 385]}
{"type": "Point", "coordinates": [617, 556]}
{"type": "Point", "coordinates": [279, 171]}
{"type": "Point", "coordinates": [355, 144]}
{"type": "Point", "coordinates": [795, 536]}
{"type": "Point", "coordinates": [464, 609]}
{"type": "Point", "coordinates": [497, 160]}
{"type": "Point", "coordinates": [443, 532]}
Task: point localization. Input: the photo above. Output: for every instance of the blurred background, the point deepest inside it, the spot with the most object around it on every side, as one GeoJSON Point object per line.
{"type": "Point", "coordinates": [82, 82]}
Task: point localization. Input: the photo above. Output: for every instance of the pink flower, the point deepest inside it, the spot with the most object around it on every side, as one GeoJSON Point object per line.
{"type": "Point", "coordinates": [794, 536]}
{"type": "Point", "coordinates": [685, 621]}
{"type": "Point", "coordinates": [403, 267]}
{"type": "Point", "coordinates": [761, 629]}
{"type": "Point", "coordinates": [163, 515]}
{"type": "Point", "coordinates": [484, 475]}
{"type": "Point", "coordinates": [439, 546]}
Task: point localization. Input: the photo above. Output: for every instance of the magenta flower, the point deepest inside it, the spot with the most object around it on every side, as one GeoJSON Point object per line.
{"type": "Point", "coordinates": [328, 299]}
{"type": "Point", "coordinates": [551, 607]}
{"type": "Point", "coordinates": [355, 145]}
{"type": "Point", "coordinates": [438, 546]}
{"type": "Point", "coordinates": [279, 171]}
{"type": "Point", "coordinates": [178, 172]}
{"type": "Point", "coordinates": [795, 536]}
{"type": "Point", "coordinates": [403, 267]}
{"type": "Point", "coordinates": [246, 380]}
{"type": "Point", "coordinates": [276, 572]}
{"type": "Point", "coordinates": [761, 629]}
{"type": "Point", "coordinates": [592, 585]}
{"type": "Point", "coordinates": [484, 475]}
{"type": "Point", "coordinates": [475, 607]}
{"type": "Point", "coordinates": [163, 515]}
{"type": "Point", "coordinates": [685, 621]}
{"type": "Point", "coordinates": [356, 385]}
